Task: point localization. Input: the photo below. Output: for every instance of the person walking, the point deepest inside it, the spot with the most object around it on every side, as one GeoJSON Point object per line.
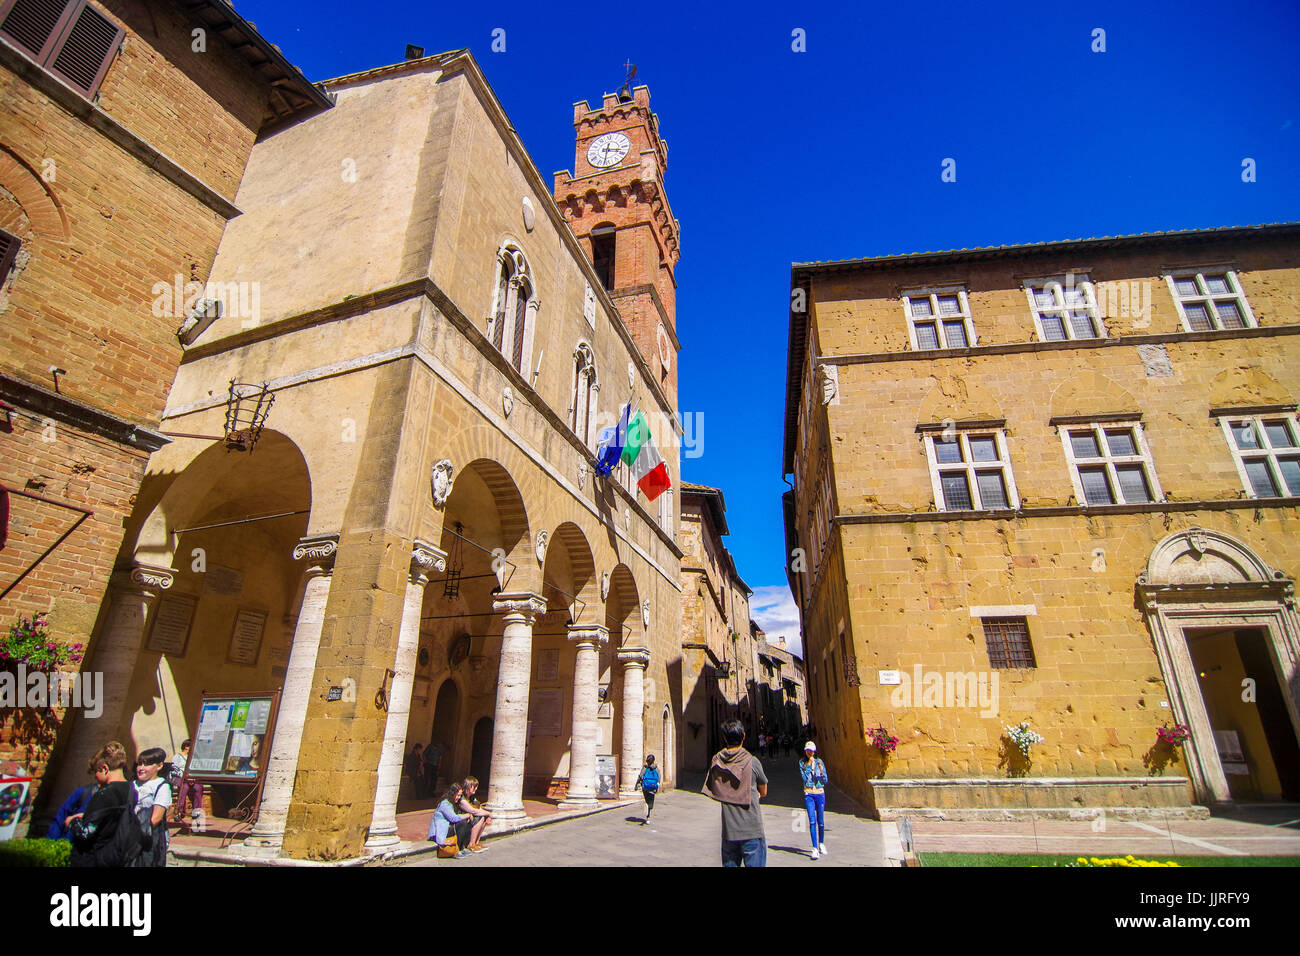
{"type": "Point", "coordinates": [414, 768]}
{"type": "Point", "coordinates": [736, 780]}
{"type": "Point", "coordinates": [647, 781]}
{"type": "Point", "coordinates": [814, 776]}
{"type": "Point", "coordinates": [432, 758]}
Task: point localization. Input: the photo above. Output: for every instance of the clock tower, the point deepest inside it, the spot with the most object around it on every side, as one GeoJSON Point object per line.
{"type": "Point", "coordinates": [615, 204]}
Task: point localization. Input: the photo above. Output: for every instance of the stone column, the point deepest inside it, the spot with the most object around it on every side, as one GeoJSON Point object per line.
{"type": "Point", "coordinates": [425, 558]}
{"type": "Point", "coordinates": [510, 726]}
{"type": "Point", "coordinates": [282, 766]}
{"type": "Point", "coordinates": [133, 595]}
{"type": "Point", "coordinates": [634, 661]}
{"type": "Point", "coordinates": [586, 687]}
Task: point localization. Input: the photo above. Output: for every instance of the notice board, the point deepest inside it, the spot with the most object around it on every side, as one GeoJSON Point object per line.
{"type": "Point", "coordinates": [232, 738]}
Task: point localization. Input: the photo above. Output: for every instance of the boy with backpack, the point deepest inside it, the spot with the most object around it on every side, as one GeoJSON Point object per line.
{"type": "Point", "coordinates": [647, 782]}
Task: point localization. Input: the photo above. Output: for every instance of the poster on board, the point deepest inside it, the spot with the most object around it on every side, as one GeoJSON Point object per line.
{"type": "Point", "coordinates": [231, 742]}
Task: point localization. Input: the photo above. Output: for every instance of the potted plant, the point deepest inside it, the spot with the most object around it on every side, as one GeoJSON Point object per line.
{"type": "Point", "coordinates": [29, 643]}
{"type": "Point", "coordinates": [1017, 743]}
{"type": "Point", "coordinates": [1174, 736]}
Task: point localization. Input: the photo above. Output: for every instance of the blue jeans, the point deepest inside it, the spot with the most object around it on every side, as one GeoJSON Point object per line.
{"type": "Point", "coordinates": [753, 852]}
{"type": "Point", "coordinates": [815, 804]}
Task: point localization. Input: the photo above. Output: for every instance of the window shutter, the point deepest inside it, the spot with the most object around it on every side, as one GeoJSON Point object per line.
{"type": "Point", "coordinates": [8, 250]}
{"type": "Point", "coordinates": [521, 312]}
{"type": "Point", "coordinates": [35, 25]}
{"type": "Point", "coordinates": [87, 50]}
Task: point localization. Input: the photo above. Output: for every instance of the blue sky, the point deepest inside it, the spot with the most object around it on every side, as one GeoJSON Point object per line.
{"type": "Point", "coordinates": [778, 156]}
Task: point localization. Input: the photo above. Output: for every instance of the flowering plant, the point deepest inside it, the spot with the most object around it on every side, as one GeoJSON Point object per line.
{"type": "Point", "coordinates": [28, 642]}
{"type": "Point", "coordinates": [1117, 861]}
{"type": "Point", "coordinates": [1175, 736]}
{"type": "Point", "coordinates": [882, 740]}
{"type": "Point", "coordinates": [1022, 736]}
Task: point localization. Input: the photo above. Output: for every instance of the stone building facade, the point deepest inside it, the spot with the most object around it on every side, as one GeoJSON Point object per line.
{"type": "Point", "coordinates": [718, 663]}
{"type": "Point", "coordinates": [1053, 484]}
{"type": "Point", "coordinates": [109, 192]}
{"type": "Point", "coordinates": [779, 697]}
{"type": "Point", "coordinates": [418, 524]}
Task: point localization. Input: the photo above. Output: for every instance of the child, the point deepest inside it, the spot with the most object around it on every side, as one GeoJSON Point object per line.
{"type": "Point", "coordinates": [647, 782]}
{"type": "Point", "coordinates": [153, 797]}
{"type": "Point", "coordinates": [191, 792]}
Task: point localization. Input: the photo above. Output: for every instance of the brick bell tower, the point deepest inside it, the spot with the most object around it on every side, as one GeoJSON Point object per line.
{"type": "Point", "coordinates": [615, 204]}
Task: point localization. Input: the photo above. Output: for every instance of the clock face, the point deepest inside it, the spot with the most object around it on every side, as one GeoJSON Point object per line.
{"type": "Point", "coordinates": [608, 150]}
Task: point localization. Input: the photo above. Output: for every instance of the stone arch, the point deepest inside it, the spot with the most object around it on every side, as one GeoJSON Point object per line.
{"type": "Point", "coordinates": [44, 212]}
{"type": "Point", "coordinates": [958, 399]}
{"type": "Point", "coordinates": [1201, 556]}
{"type": "Point", "coordinates": [623, 608]}
{"type": "Point", "coordinates": [1245, 386]}
{"type": "Point", "coordinates": [569, 540]}
{"type": "Point", "coordinates": [1090, 393]}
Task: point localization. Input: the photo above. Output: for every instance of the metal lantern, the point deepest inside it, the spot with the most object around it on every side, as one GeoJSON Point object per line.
{"type": "Point", "coordinates": [246, 410]}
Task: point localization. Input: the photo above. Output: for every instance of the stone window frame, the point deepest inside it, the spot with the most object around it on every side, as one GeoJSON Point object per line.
{"type": "Point", "coordinates": [512, 285]}
{"type": "Point", "coordinates": [933, 293]}
{"type": "Point", "coordinates": [1267, 452]}
{"type": "Point", "coordinates": [969, 467]}
{"type": "Point", "coordinates": [1099, 426]}
{"type": "Point", "coordinates": [1058, 284]}
{"type": "Point", "coordinates": [1204, 296]}
{"type": "Point", "coordinates": [582, 403]}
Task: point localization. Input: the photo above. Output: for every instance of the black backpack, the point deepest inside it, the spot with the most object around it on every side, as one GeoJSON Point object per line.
{"type": "Point", "coordinates": [130, 839]}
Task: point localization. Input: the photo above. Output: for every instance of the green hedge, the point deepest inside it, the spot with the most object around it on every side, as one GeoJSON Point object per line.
{"type": "Point", "coordinates": [35, 852]}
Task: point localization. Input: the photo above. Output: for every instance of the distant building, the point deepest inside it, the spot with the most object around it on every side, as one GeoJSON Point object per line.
{"type": "Point", "coordinates": [780, 701]}
{"type": "Point", "coordinates": [717, 657]}
{"type": "Point", "coordinates": [1053, 484]}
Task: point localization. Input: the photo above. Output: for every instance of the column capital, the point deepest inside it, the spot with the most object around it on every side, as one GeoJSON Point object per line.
{"type": "Point", "coordinates": [147, 579]}
{"type": "Point", "coordinates": [634, 656]}
{"type": "Point", "coordinates": [319, 551]}
{"type": "Point", "coordinates": [594, 634]}
{"type": "Point", "coordinates": [519, 606]}
{"type": "Point", "coordinates": [425, 559]}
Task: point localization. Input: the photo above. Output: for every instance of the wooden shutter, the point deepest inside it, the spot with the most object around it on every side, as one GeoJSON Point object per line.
{"type": "Point", "coordinates": [83, 56]}
{"type": "Point", "coordinates": [8, 250]}
{"type": "Point", "coordinates": [36, 25]}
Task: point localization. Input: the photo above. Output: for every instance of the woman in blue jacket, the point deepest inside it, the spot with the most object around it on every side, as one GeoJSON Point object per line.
{"type": "Point", "coordinates": [814, 776]}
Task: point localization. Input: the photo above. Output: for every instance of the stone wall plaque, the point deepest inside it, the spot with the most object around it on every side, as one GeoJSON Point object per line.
{"type": "Point", "coordinates": [545, 711]}
{"type": "Point", "coordinates": [548, 665]}
{"type": "Point", "coordinates": [171, 625]}
{"type": "Point", "coordinates": [246, 637]}
{"type": "Point", "coordinates": [227, 582]}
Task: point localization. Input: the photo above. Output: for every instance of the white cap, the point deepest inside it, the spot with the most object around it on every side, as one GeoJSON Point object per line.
{"type": "Point", "coordinates": [810, 746]}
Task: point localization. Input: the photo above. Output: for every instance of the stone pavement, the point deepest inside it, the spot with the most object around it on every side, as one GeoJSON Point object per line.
{"type": "Point", "coordinates": [1259, 830]}
{"type": "Point", "coordinates": [686, 830]}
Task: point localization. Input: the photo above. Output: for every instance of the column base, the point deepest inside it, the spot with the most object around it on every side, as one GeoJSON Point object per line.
{"type": "Point", "coordinates": [579, 803]}
{"type": "Point", "coordinates": [505, 813]}
{"type": "Point", "coordinates": [379, 839]}
{"type": "Point", "coordinates": [629, 794]}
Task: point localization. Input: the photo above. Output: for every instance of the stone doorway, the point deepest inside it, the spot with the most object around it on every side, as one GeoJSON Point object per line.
{"type": "Point", "coordinates": [480, 760]}
{"type": "Point", "coordinates": [1200, 590]}
{"type": "Point", "coordinates": [1255, 741]}
{"type": "Point", "coordinates": [446, 720]}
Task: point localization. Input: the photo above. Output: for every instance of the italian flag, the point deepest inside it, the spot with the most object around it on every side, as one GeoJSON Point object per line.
{"type": "Point", "coordinates": [648, 468]}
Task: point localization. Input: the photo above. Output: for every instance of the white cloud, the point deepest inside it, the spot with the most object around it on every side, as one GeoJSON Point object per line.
{"type": "Point", "coordinates": [773, 607]}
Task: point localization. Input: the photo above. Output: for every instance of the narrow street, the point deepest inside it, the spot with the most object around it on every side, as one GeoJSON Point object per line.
{"type": "Point", "coordinates": [685, 830]}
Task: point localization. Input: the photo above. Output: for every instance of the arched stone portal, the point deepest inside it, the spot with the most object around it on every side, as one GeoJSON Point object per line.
{"type": "Point", "coordinates": [1198, 582]}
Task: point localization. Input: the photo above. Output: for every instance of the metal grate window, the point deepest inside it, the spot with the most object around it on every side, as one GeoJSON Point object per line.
{"type": "Point", "coordinates": [1008, 642]}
